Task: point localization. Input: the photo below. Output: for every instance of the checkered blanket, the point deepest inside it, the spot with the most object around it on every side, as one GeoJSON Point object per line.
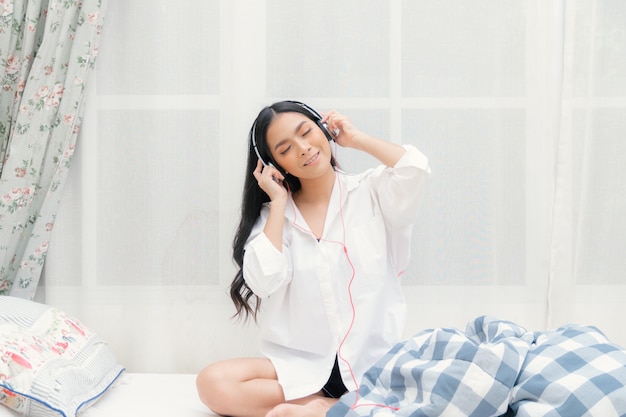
{"type": "Point", "coordinates": [495, 368]}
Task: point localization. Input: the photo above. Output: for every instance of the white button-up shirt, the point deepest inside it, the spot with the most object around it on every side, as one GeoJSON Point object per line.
{"type": "Point", "coordinates": [309, 289]}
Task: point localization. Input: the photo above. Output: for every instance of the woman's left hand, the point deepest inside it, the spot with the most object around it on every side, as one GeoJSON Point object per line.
{"type": "Point", "coordinates": [341, 129]}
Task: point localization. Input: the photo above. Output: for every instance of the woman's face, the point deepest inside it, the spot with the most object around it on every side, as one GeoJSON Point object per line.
{"type": "Point", "coordinates": [298, 145]}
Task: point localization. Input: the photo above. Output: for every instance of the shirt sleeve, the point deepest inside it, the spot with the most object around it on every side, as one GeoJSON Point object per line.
{"type": "Point", "coordinates": [399, 190]}
{"type": "Point", "coordinates": [265, 269]}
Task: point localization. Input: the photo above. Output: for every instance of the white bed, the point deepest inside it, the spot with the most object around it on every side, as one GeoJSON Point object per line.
{"type": "Point", "coordinates": [136, 395]}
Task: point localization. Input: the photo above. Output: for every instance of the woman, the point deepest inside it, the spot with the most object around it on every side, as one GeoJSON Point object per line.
{"type": "Point", "coordinates": [320, 254]}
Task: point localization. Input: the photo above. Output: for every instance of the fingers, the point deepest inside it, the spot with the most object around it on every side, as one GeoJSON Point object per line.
{"type": "Point", "coordinates": [257, 170]}
{"type": "Point", "coordinates": [267, 177]}
{"type": "Point", "coordinates": [258, 173]}
{"type": "Point", "coordinates": [330, 119]}
{"type": "Point", "coordinates": [340, 128]}
{"type": "Point", "coordinates": [335, 122]}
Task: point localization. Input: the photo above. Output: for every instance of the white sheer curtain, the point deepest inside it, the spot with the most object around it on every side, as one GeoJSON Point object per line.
{"type": "Point", "coordinates": [520, 105]}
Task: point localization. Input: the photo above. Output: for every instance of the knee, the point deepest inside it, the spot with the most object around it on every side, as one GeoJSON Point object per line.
{"type": "Point", "coordinates": [212, 385]}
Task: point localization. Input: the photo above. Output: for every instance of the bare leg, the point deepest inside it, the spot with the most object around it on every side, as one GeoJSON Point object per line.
{"type": "Point", "coordinates": [246, 387]}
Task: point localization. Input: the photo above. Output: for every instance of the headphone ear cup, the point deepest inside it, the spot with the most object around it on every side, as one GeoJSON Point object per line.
{"type": "Point", "coordinates": [324, 128]}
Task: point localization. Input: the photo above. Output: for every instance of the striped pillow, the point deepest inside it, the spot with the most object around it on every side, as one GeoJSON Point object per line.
{"type": "Point", "coordinates": [50, 364]}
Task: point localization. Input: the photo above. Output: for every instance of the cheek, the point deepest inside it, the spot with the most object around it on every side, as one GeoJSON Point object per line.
{"type": "Point", "coordinates": [328, 147]}
{"type": "Point", "coordinates": [285, 162]}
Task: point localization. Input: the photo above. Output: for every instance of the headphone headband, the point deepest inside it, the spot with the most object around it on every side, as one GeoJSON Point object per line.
{"type": "Point", "coordinates": [308, 108]}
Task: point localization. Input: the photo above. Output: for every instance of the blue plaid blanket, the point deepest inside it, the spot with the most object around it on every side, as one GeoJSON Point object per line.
{"type": "Point", "coordinates": [495, 368]}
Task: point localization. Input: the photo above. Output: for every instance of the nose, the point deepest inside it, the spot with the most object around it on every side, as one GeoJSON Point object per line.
{"type": "Point", "coordinates": [303, 145]}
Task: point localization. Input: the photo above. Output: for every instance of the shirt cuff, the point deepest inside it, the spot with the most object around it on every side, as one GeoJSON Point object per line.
{"type": "Point", "coordinates": [413, 157]}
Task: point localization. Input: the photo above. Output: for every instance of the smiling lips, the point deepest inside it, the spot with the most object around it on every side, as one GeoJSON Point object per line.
{"type": "Point", "coordinates": [312, 159]}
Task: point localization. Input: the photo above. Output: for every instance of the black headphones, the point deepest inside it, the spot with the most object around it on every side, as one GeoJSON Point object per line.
{"type": "Point", "coordinates": [317, 117]}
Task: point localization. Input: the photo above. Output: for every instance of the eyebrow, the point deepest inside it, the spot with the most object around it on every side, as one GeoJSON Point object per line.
{"type": "Point", "coordinates": [279, 144]}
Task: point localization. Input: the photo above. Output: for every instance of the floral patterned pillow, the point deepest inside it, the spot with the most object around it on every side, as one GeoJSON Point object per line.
{"type": "Point", "coordinates": [50, 364]}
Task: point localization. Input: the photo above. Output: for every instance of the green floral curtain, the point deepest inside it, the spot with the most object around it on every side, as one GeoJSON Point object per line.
{"type": "Point", "coordinates": [47, 50]}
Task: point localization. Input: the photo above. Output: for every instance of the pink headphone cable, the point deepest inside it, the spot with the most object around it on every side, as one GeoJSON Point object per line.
{"type": "Point", "coordinates": [352, 306]}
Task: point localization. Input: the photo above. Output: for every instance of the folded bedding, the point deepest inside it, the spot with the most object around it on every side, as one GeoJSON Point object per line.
{"type": "Point", "coordinates": [495, 368]}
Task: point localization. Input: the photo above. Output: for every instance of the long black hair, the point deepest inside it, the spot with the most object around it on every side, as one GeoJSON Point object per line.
{"type": "Point", "coordinates": [246, 302]}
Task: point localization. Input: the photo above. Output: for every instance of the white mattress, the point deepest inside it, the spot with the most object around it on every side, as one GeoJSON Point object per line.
{"type": "Point", "coordinates": [136, 395]}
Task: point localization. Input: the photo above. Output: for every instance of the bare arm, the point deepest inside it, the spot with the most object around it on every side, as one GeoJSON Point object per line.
{"type": "Point", "coordinates": [350, 137]}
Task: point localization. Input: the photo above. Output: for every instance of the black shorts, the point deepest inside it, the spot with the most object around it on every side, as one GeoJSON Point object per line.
{"type": "Point", "coordinates": [334, 388]}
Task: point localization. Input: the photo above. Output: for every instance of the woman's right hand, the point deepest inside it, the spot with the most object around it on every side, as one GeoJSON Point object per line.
{"type": "Point", "coordinates": [270, 180]}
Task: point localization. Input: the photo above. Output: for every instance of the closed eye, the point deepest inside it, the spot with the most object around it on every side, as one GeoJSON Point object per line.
{"type": "Point", "coordinates": [284, 151]}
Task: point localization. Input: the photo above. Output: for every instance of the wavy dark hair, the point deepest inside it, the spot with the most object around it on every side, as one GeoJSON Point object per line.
{"type": "Point", "coordinates": [247, 304]}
